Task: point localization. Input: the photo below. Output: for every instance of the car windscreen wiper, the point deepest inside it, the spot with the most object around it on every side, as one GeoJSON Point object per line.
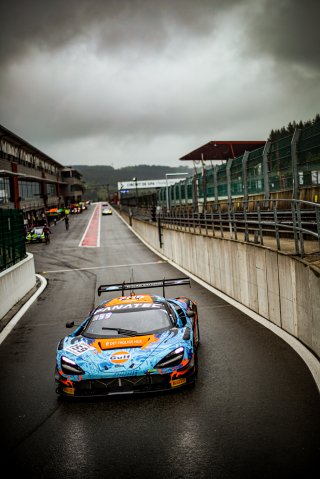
{"type": "Point", "coordinates": [128, 332]}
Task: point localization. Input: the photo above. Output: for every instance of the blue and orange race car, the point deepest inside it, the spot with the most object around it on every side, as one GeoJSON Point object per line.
{"type": "Point", "coordinates": [131, 344]}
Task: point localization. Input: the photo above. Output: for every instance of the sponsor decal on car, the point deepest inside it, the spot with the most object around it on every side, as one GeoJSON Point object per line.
{"type": "Point", "coordinates": [177, 382]}
{"type": "Point", "coordinates": [135, 342]}
{"type": "Point", "coordinates": [141, 298]}
{"type": "Point", "coordinates": [120, 357]}
{"type": "Point", "coordinates": [68, 390]}
{"type": "Point", "coordinates": [79, 348]}
{"type": "Point", "coordinates": [118, 307]}
{"type": "Point", "coordinates": [101, 316]}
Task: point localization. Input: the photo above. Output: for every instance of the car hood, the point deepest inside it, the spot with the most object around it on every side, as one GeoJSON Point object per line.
{"type": "Point", "coordinates": [121, 356]}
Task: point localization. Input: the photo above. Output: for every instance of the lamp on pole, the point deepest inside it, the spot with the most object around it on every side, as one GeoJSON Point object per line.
{"type": "Point", "coordinates": [167, 190]}
{"type": "Point", "coordinates": [135, 179]}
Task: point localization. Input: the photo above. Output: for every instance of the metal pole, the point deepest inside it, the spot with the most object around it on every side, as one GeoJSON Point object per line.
{"type": "Point", "coordinates": [266, 171]}
{"type": "Point", "coordinates": [167, 197]}
{"type": "Point", "coordinates": [294, 158]}
{"type": "Point", "coordinates": [245, 176]}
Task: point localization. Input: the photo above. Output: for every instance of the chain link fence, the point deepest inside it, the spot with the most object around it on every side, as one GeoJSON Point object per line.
{"type": "Point", "coordinates": [12, 238]}
{"type": "Point", "coordinates": [285, 168]}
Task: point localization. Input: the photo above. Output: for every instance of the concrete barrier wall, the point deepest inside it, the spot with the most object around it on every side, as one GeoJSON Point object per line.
{"type": "Point", "coordinates": [15, 283]}
{"type": "Point", "coordinates": [279, 287]}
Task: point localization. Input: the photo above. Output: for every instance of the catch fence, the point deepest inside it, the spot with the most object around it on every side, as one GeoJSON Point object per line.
{"type": "Point", "coordinates": [12, 238]}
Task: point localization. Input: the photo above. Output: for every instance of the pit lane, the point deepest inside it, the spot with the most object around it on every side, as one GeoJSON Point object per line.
{"type": "Point", "coordinates": [253, 413]}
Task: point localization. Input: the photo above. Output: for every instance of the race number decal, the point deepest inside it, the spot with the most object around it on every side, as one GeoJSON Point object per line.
{"type": "Point", "coordinates": [79, 348]}
{"type": "Point", "coordinates": [101, 316]}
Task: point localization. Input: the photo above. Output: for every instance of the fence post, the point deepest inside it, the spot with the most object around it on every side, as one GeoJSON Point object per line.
{"type": "Point", "coordinates": [294, 158]}
{"type": "Point", "coordinates": [245, 176]}
{"type": "Point", "coordinates": [246, 229]}
{"type": "Point", "coordinates": [159, 231]}
{"type": "Point", "coordinates": [275, 219]}
{"type": "Point", "coordinates": [259, 222]}
{"type": "Point", "coordinates": [266, 171]}
{"type": "Point", "coordinates": [215, 183]}
{"type": "Point", "coordinates": [228, 168]}
{"type": "Point", "coordinates": [220, 219]}
{"type": "Point", "coordinates": [294, 224]}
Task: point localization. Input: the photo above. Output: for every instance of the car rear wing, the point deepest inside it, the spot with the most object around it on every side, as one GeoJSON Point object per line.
{"type": "Point", "coordinates": [161, 283]}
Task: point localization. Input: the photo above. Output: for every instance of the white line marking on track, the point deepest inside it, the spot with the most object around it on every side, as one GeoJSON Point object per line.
{"type": "Point", "coordinates": [99, 227]}
{"type": "Point", "coordinates": [70, 270]}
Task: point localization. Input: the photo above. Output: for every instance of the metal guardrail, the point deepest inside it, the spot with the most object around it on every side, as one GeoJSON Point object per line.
{"type": "Point", "coordinates": [12, 238]}
{"type": "Point", "coordinates": [256, 222]}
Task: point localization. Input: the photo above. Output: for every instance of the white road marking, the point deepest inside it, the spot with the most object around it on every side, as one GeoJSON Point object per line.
{"type": "Point", "coordinates": [98, 206]}
{"type": "Point", "coordinates": [70, 270]}
{"type": "Point", "coordinates": [99, 227]}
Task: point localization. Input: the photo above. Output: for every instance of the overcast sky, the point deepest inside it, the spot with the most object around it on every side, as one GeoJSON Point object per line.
{"type": "Point", "coordinates": [125, 82]}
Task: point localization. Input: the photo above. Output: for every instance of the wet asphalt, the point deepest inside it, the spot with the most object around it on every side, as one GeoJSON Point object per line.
{"type": "Point", "coordinates": [254, 412]}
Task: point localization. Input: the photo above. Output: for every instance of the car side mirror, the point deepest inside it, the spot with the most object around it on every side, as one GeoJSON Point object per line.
{"type": "Point", "coordinates": [190, 313]}
{"type": "Point", "coordinates": [70, 324]}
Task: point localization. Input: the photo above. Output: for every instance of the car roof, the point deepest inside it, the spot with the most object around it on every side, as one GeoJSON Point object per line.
{"type": "Point", "coordinates": [137, 299]}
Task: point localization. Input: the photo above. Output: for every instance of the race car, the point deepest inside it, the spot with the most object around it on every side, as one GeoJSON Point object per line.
{"type": "Point", "coordinates": [135, 343]}
{"type": "Point", "coordinates": [107, 211]}
{"type": "Point", "coordinates": [35, 235]}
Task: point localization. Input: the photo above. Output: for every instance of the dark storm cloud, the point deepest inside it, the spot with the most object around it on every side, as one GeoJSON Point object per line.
{"type": "Point", "coordinates": [284, 29]}
{"type": "Point", "coordinates": [149, 80]}
{"type": "Point", "coordinates": [287, 30]}
{"type": "Point", "coordinates": [113, 23]}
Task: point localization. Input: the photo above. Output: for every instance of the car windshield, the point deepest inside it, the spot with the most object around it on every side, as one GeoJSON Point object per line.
{"type": "Point", "coordinates": [126, 323]}
{"type": "Point", "coordinates": [38, 231]}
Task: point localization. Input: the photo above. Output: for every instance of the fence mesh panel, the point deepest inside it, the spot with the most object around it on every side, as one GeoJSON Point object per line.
{"type": "Point", "coordinates": [237, 177]}
{"type": "Point", "coordinates": [278, 170]}
{"type": "Point", "coordinates": [222, 181]}
{"type": "Point", "coordinates": [12, 238]}
{"type": "Point", "coordinates": [280, 164]}
{"type": "Point", "coordinates": [308, 149]}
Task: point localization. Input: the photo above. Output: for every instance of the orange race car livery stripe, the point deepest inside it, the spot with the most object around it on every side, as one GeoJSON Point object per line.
{"type": "Point", "coordinates": [139, 298]}
{"type": "Point", "coordinates": [135, 342]}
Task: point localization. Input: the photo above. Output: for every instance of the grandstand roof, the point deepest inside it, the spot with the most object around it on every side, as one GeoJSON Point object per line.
{"type": "Point", "coordinates": [221, 150]}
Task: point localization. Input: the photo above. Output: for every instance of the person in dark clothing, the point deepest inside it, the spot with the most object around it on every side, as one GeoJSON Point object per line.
{"type": "Point", "coordinates": [153, 213]}
{"type": "Point", "coordinates": [66, 221]}
{"type": "Point", "coordinates": [46, 232]}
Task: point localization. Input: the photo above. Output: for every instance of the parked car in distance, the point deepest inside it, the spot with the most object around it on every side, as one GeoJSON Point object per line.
{"type": "Point", "coordinates": [107, 211]}
{"type": "Point", "coordinates": [35, 235]}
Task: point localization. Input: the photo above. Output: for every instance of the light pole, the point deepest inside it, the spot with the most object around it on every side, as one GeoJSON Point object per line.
{"type": "Point", "coordinates": [135, 179]}
{"type": "Point", "coordinates": [167, 191]}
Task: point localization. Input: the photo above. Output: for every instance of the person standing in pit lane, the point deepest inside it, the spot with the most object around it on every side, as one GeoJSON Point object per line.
{"type": "Point", "coordinates": [66, 221]}
{"type": "Point", "coordinates": [47, 233]}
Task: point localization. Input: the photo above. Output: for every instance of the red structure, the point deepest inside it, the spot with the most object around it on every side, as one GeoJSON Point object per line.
{"type": "Point", "coordinates": [221, 150]}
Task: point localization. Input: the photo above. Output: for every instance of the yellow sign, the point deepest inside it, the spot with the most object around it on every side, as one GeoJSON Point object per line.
{"type": "Point", "coordinates": [68, 390]}
{"type": "Point", "coordinates": [178, 382]}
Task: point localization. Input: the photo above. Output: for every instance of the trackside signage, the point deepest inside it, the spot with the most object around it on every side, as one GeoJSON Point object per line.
{"type": "Point", "coordinates": [131, 185]}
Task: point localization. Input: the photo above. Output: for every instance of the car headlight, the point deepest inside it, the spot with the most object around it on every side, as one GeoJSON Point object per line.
{"type": "Point", "coordinates": [70, 367]}
{"type": "Point", "coordinates": [172, 359]}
